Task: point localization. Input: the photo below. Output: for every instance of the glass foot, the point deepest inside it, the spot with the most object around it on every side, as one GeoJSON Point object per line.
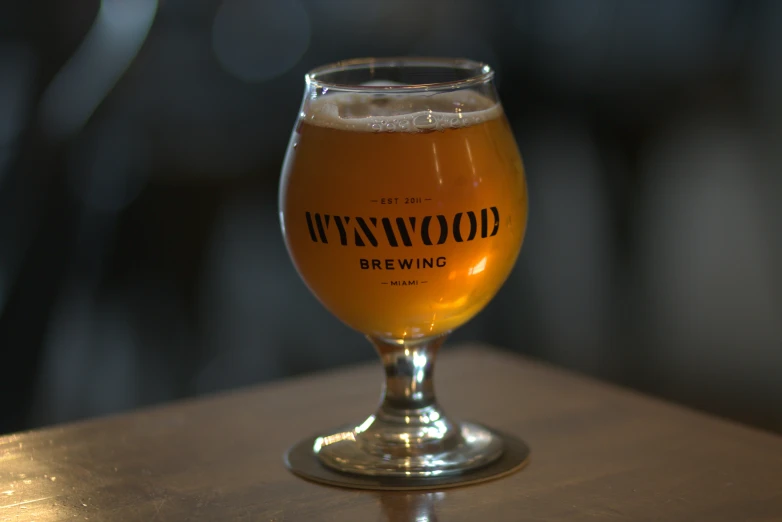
{"type": "Point", "coordinates": [421, 451]}
{"type": "Point", "coordinates": [302, 461]}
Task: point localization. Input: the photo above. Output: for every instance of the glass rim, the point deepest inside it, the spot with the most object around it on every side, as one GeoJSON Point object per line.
{"type": "Point", "coordinates": [480, 73]}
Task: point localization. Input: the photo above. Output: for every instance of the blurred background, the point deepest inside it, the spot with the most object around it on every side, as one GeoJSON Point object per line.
{"type": "Point", "coordinates": [140, 147]}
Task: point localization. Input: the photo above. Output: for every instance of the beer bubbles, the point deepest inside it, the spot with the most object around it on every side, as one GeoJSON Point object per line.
{"type": "Point", "coordinates": [363, 113]}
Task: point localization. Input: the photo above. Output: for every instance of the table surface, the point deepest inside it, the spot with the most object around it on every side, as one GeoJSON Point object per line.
{"type": "Point", "coordinates": [598, 453]}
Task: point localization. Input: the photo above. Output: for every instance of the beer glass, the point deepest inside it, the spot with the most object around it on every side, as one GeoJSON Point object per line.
{"type": "Point", "coordinates": [403, 205]}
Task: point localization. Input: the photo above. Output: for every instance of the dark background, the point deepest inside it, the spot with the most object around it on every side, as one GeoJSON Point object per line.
{"type": "Point", "coordinates": [140, 146]}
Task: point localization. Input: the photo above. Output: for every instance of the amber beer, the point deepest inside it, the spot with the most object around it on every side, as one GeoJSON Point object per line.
{"type": "Point", "coordinates": [403, 226]}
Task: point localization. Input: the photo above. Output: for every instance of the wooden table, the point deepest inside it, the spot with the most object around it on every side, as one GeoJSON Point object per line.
{"type": "Point", "coordinates": [598, 453]}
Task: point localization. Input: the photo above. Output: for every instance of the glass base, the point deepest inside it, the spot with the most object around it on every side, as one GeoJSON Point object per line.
{"type": "Point", "coordinates": [409, 437]}
{"type": "Point", "coordinates": [303, 462]}
{"type": "Point", "coordinates": [385, 450]}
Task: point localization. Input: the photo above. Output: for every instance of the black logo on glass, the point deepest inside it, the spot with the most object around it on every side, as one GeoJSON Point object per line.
{"type": "Point", "coordinates": [430, 230]}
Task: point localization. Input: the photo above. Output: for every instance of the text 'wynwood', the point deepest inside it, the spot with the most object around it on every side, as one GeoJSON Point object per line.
{"type": "Point", "coordinates": [463, 226]}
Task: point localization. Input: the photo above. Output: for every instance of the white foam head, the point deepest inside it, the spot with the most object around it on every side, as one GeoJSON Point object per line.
{"type": "Point", "coordinates": [414, 112]}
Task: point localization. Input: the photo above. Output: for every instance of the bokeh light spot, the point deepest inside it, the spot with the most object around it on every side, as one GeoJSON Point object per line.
{"type": "Point", "coordinates": [256, 40]}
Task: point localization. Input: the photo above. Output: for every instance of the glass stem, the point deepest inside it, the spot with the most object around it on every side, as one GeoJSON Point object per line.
{"type": "Point", "coordinates": [409, 418]}
{"type": "Point", "coordinates": [409, 372]}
